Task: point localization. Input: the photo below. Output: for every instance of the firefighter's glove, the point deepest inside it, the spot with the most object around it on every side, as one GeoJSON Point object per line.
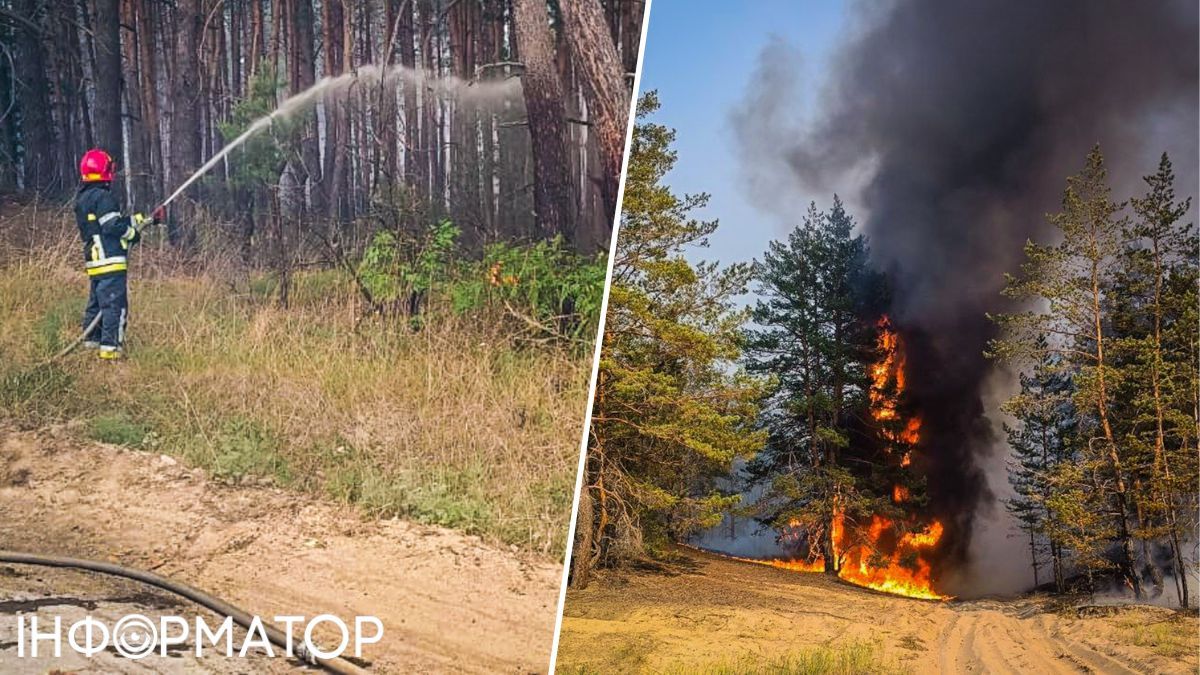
{"type": "Point", "coordinates": [159, 214]}
{"type": "Point", "coordinates": [136, 221]}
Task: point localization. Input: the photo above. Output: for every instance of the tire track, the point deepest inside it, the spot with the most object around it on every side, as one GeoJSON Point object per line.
{"type": "Point", "coordinates": [989, 641]}
{"type": "Point", "coordinates": [1093, 661]}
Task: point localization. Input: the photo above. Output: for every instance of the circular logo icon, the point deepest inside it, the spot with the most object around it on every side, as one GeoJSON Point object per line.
{"type": "Point", "coordinates": [134, 636]}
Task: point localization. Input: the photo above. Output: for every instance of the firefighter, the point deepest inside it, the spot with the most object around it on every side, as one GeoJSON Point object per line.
{"type": "Point", "coordinates": [107, 237]}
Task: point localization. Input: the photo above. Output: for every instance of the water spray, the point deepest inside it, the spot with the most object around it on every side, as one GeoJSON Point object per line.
{"type": "Point", "coordinates": [447, 86]}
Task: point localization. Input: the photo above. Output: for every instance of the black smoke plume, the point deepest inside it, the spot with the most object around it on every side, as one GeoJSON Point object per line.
{"type": "Point", "coordinates": [951, 125]}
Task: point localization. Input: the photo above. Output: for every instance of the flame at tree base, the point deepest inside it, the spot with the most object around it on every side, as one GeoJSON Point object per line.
{"type": "Point", "coordinates": [885, 580]}
{"type": "Point", "coordinates": [883, 573]}
{"type": "Point", "coordinates": [905, 572]}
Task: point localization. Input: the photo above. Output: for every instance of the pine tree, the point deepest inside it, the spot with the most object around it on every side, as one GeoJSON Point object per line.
{"type": "Point", "coordinates": [1040, 444]}
{"type": "Point", "coordinates": [542, 88]}
{"type": "Point", "coordinates": [1155, 372]}
{"type": "Point", "coordinates": [1070, 278]}
{"type": "Point", "coordinates": [814, 335]}
{"type": "Point", "coordinates": [670, 414]}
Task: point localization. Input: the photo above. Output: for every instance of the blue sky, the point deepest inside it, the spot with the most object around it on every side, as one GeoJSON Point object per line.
{"type": "Point", "coordinates": [700, 54]}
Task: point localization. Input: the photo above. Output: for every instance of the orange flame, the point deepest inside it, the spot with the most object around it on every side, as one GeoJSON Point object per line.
{"type": "Point", "coordinates": [882, 556]}
{"type": "Point", "coordinates": [887, 385]}
{"type": "Point", "coordinates": [903, 572]}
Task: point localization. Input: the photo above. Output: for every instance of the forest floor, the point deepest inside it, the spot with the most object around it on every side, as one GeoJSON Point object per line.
{"type": "Point", "coordinates": [707, 613]}
{"type": "Point", "coordinates": [448, 601]}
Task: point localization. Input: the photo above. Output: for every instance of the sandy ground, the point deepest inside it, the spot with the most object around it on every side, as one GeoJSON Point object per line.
{"type": "Point", "coordinates": [448, 602]}
{"type": "Point", "coordinates": [717, 609]}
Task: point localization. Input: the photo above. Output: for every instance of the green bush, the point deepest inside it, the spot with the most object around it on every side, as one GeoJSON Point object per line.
{"type": "Point", "coordinates": [118, 429]}
{"type": "Point", "coordinates": [545, 283]}
{"type": "Point", "coordinates": [242, 448]}
{"type": "Point", "coordinates": [261, 157]}
{"type": "Point", "coordinates": [545, 287]}
{"type": "Point", "coordinates": [388, 274]}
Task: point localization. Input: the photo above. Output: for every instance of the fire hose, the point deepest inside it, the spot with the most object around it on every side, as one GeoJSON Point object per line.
{"type": "Point", "coordinates": [75, 343]}
{"type": "Point", "coordinates": [335, 664]}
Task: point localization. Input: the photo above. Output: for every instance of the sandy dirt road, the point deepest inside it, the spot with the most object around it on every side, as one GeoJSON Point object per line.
{"type": "Point", "coordinates": [717, 609]}
{"type": "Point", "coordinates": [448, 602]}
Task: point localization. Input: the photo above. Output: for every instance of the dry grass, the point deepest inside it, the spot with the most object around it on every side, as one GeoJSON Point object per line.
{"type": "Point", "coordinates": [849, 658]}
{"type": "Point", "coordinates": [456, 424]}
{"type": "Point", "coordinates": [1173, 636]}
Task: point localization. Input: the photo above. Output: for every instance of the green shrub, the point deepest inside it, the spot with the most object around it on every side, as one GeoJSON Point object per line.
{"type": "Point", "coordinates": [118, 429]}
{"type": "Point", "coordinates": [388, 274]}
{"type": "Point", "coordinates": [261, 157]}
{"type": "Point", "coordinates": [242, 448]}
{"type": "Point", "coordinates": [545, 283]}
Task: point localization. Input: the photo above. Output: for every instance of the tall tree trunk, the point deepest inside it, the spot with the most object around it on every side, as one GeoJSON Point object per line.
{"type": "Point", "coordinates": [581, 559]}
{"type": "Point", "coordinates": [8, 126]}
{"type": "Point", "coordinates": [333, 171]}
{"type": "Point", "coordinates": [408, 59]}
{"type": "Point", "coordinates": [237, 20]}
{"type": "Point", "coordinates": [138, 169]}
{"type": "Point", "coordinates": [342, 164]}
{"type": "Point", "coordinates": [1033, 556]}
{"type": "Point", "coordinates": [257, 37]}
{"type": "Point", "coordinates": [107, 70]}
{"type": "Point", "coordinates": [185, 114]}
{"type": "Point", "coordinates": [1151, 568]}
{"type": "Point", "coordinates": [552, 189]}
{"type": "Point", "coordinates": [1060, 581]}
{"type": "Point", "coordinates": [1162, 466]}
{"type": "Point", "coordinates": [595, 56]}
{"type": "Point", "coordinates": [434, 118]}
{"type": "Point", "coordinates": [489, 49]}
{"type": "Point", "coordinates": [33, 91]}
{"type": "Point", "coordinates": [632, 12]}
{"type": "Point", "coordinates": [303, 64]}
{"type": "Point", "coordinates": [1124, 532]}
{"type": "Point", "coordinates": [147, 39]}
{"type": "Point", "coordinates": [384, 168]}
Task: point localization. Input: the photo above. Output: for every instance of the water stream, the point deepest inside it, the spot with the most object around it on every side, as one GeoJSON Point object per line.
{"type": "Point", "coordinates": [447, 87]}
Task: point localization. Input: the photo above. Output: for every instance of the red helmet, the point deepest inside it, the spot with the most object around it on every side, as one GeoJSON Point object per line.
{"type": "Point", "coordinates": [97, 166]}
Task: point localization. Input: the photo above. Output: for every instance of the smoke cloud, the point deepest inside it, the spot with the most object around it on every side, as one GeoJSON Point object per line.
{"type": "Point", "coordinates": [951, 126]}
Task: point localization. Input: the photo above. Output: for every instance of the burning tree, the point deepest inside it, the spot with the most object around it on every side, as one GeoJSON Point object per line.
{"type": "Point", "coordinates": [811, 335]}
{"type": "Point", "coordinates": [841, 490]}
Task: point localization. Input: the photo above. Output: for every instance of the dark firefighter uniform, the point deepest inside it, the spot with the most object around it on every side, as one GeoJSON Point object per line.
{"type": "Point", "coordinates": [107, 237]}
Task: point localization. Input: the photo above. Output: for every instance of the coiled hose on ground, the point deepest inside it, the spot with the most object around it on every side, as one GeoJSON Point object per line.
{"type": "Point", "coordinates": [334, 665]}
